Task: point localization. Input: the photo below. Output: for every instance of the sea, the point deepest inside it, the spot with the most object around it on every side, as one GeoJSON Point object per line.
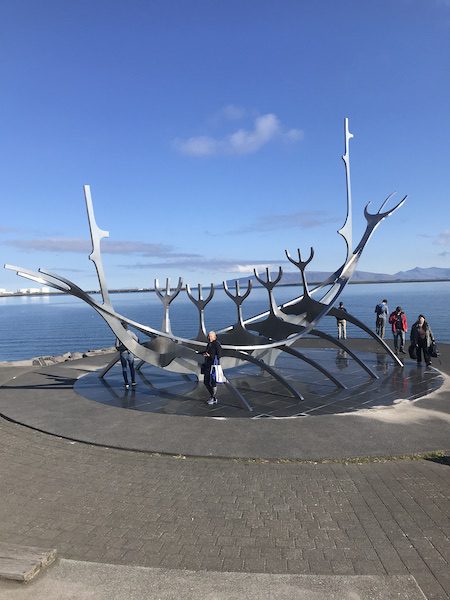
{"type": "Point", "coordinates": [48, 325]}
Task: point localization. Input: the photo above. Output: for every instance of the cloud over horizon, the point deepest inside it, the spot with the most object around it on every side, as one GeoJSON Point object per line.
{"type": "Point", "coordinates": [266, 128]}
{"type": "Point", "coordinates": [442, 238]}
{"type": "Point", "coordinates": [81, 246]}
{"type": "Point", "coordinates": [216, 264]}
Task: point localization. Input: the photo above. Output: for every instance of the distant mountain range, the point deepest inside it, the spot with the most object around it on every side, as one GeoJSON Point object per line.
{"type": "Point", "coordinates": [416, 274]}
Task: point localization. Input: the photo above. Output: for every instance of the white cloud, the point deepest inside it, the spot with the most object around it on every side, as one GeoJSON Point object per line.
{"type": "Point", "coordinates": [248, 268]}
{"type": "Point", "coordinates": [201, 264]}
{"type": "Point", "coordinates": [198, 146]}
{"type": "Point", "coordinates": [443, 238]}
{"type": "Point", "coordinates": [266, 128]}
{"type": "Point", "coordinates": [246, 142]}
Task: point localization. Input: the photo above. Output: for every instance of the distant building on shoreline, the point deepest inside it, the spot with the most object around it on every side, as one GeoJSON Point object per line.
{"type": "Point", "coordinates": [26, 291]}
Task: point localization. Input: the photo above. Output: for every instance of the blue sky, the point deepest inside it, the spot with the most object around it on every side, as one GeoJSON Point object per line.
{"type": "Point", "coordinates": [211, 134]}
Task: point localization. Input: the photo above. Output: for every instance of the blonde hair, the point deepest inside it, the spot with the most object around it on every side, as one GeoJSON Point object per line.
{"type": "Point", "coordinates": [213, 334]}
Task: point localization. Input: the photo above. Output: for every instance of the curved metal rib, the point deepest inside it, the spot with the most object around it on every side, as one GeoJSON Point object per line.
{"type": "Point", "coordinates": [343, 346]}
{"type": "Point", "coordinates": [249, 358]}
{"type": "Point", "coordinates": [239, 396]}
{"type": "Point", "coordinates": [349, 317]}
{"type": "Point", "coordinates": [314, 364]}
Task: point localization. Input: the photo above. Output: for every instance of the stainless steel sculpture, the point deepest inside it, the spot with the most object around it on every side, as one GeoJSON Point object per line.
{"type": "Point", "coordinates": [258, 340]}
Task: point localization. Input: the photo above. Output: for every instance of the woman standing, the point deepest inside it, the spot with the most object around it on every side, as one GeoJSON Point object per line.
{"type": "Point", "coordinates": [213, 351]}
{"type": "Point", "coordinates": [422, 337]}
{"type": "Point", "coordinates": [127, 358]}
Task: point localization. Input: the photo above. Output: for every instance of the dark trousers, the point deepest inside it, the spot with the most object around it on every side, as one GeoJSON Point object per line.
{"type": "Point", "coordinates": [422, 347]}
{"type": "Point", "coordinates": [127, 360]}
{"type": "Point", "coordinates": [380, 327]}
{"type": "Point", "coordinates": [207, 381]}
{"type": "Point", "coordinates": [399, 338]}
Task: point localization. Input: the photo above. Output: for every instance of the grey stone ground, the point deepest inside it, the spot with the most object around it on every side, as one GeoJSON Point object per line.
{"type": "Point", "coordinates": [379, 519]}
{"type": "Point", "coordinates": [75, 580]}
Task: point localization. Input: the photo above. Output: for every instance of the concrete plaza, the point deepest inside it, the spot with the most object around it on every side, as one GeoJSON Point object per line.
{"type": "Point", "coordinates": [318, 507]}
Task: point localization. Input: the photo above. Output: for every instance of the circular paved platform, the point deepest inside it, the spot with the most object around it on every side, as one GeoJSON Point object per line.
{"type": "Point", "coordinates": [162, 392]}
{"type": "Point", "coordinates": [406, 411]}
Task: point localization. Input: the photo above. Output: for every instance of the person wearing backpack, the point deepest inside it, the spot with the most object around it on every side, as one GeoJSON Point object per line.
{"type": "Point", "coordinates": [399, 324]}
{"type": "Point", "coordinates": [382, 311]}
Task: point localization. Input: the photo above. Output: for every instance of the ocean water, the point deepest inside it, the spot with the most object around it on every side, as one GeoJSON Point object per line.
{"type": "Point", "coordinates": [52, 325]}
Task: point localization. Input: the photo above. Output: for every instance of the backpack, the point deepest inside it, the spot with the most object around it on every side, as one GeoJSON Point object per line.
{"type": "Point", "coordinates": [379, 309]}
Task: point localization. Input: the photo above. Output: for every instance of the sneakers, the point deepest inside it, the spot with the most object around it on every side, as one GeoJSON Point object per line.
{"type": "Point", "coordinates": [134, 384]}
{"type": "Point", "coordinates": [211, 401]}
{"type": "Point", "coordinates": [127, 387]}
{"type": "Point", "coordinates": [402, 351]}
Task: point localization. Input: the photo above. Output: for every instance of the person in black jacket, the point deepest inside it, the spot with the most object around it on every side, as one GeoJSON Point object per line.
{"type": "Point", "coordinates": [422, 337]}
{"type": "Point", "coordinates": [213, 350]}
{"type": "Point", "coordinates": [341, 323]}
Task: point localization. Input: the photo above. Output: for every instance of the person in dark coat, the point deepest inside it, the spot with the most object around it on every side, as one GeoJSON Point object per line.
{"type": "Point", "coordinates": [342, 323]}
{"type": "Point", "coordinates": [422, 337]}
{"type": "Point", "coordinates": [213, 350]}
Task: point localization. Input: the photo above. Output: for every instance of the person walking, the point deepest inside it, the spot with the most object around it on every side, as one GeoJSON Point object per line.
{"type": "Point", "coordinates": [127, 359]}
{"type": "Point", "coordinates": [341, 323]}
{"type": "Point", "coordinates": [399, 324]}
{"type": "Point", "coordinates": [382, 311]}
{"type": "Point", "coordinates": [212, 352]}
{"type": "Point", "coordinates": [422, 337]}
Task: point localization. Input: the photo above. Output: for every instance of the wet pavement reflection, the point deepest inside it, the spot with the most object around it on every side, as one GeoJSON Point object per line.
{"type": "Point", "coordinates": [159, 391]}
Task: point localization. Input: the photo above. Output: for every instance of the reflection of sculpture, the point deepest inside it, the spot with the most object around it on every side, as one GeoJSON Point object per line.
{"type": "Point", "coordinates": [258, 340]}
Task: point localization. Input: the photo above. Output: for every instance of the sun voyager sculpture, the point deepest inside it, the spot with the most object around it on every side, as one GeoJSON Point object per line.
{"type": "Point", "coordinates": [258, 340]}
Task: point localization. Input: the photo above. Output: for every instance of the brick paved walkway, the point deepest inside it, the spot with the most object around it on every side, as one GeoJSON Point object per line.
{"type": "Point", "coordinates": [122, 507]}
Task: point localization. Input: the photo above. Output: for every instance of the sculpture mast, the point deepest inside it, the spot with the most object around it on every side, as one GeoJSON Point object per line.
{"type": "Point", "coordinates": [347, 229]}
{"type": "Point", "coordinates": [96, 235]}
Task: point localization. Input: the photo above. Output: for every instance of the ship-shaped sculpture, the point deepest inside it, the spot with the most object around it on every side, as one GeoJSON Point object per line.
{"type": "Point", "coordinates": [258, 340]}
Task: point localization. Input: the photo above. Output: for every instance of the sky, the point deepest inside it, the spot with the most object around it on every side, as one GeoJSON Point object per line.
{"type": "Point", "coordinates": [211, 134]}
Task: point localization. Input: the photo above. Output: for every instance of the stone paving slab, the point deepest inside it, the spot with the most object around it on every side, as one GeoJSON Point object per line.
{"type": "Point", "coordinates": [22, 563]}
{"type": "Point", "coordinates": [84, 581]}
{"type": "Point", "coordinates": [97, 504]}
